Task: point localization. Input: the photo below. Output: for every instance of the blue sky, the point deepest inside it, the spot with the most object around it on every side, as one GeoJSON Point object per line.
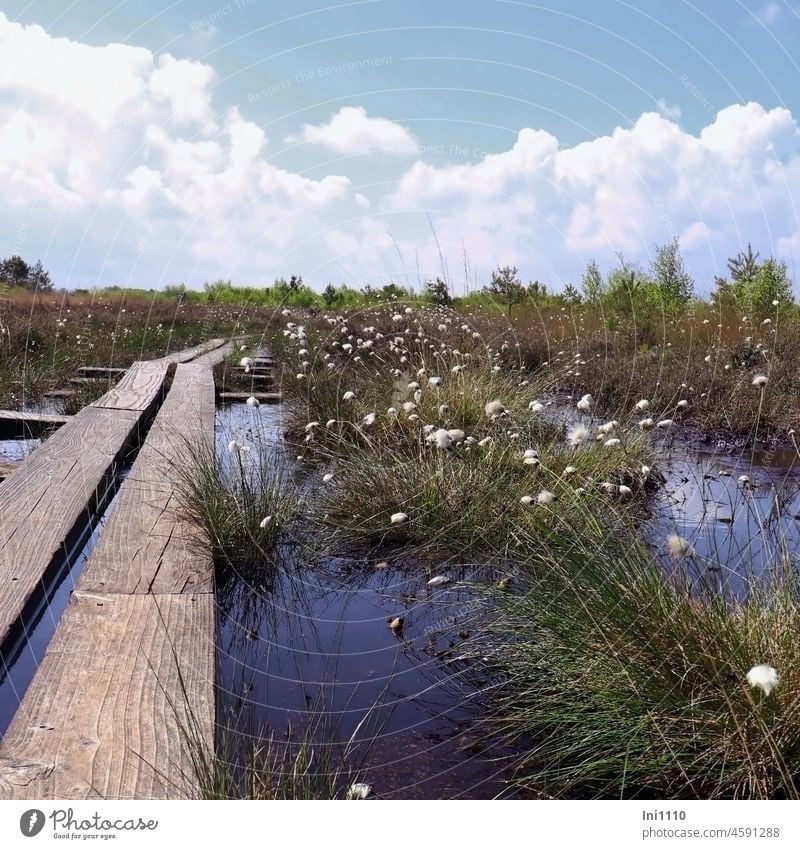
{"type": "Point", "coordinates": [514, 130]}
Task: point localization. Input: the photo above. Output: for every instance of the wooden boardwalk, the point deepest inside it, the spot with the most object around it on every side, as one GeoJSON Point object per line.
{"type": "Point", "coordinates": [22, 425]}
{"type": "Point", "coordinates": [131, 666]}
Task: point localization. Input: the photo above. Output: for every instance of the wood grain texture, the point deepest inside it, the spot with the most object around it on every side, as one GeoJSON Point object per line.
{"type": "Point", "coordinates": [138, 389]}
{"type": "Point", "coordinates": [147, 545]}
{"type": "Point", "coordinates": [46, 498]}
{"type": "Point", "coordinates": [212, 357]}
{"type": "Point", "coordinates": [103, 716]}
{"type": "Point", "coordinates": [190, 354]}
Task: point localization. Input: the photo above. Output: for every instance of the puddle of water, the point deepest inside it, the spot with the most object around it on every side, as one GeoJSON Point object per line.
{"type": "Point", "coordinates": [16, 450]}
{"type": "Point", "coordinates": [747, 529]}
{"type": "Point", "coordinates": [319, 637]}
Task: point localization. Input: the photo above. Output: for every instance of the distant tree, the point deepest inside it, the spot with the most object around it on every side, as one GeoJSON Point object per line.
{"type": "Point", "coordinates": [39, 279]}
{"type": "Point", "coordinates": [571, 295]}
{"type": "Point", "coordinates": [668, 271]}
{"type": "Point", "coordinates": [329, 295]}
{"type": "Point", "coordinates": [723, 295]}
{"type": "Point", "coordinates": [505, 286]}
{"type": "Point", "coordinates": [770, 284]}
{"type": "Point", "coordinates": [395, 292]}
{"type": "Point", "coordinates": [744, 267]}
{"type": "Point", "coordinates": [14, 271]}
{"type": "Point", "coordinates": [592, 282]}
{"type": "Point", "coordinates": [295, 283]}
{"type": "Point", "coordinates": [755, 285]}
{"type": "Point", "coordinates": [631, 299]}
{"type": "Point", "coordinates": [536, 291]}
{"type": "Point", "coordinates": [438, 293]}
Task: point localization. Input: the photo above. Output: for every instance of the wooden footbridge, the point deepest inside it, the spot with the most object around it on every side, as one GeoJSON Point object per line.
{"type": "Point", "coordinates": [130, 669]}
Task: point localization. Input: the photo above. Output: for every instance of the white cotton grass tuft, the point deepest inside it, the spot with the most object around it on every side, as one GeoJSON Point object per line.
{"type": "Point", "coordinates": [679, 547]}
{"type": "Point", "coordinates": [252, 401]}
{"type": "Point", "coordinates": [526, 499]}
{"type": "Point", "coordinates": [665, 424]}
{"type": "Point", "coordinates": [440, 438]}
{"type": "Point", "coordinates": [369, 419]}
{"type": "Point", "coordinates": [577, 435]}
{"type": "Point", "coordinates": [536, 406]}
{"type": "Point", "coordinates": [646, 424]}
{"type": "Point", "coordinates": [642, 405]}
{"type": "Point", "coordinates": [398, 518]}
{"type": "Point", "coordinates": [760, 380]}
{"type": "Point", "coordinates": [545, 497]}
{"type": "Point", "coordinates": [359, 790]}
{"type": "Point", "coordinates": [613, 442]}
{"type": "Point", "coordinates": [327, 478]}
{"type": "Point", "coordinates": [585, 403]}
{"type": "Point", "coordinates": [265, 521]}
{"type": "Point", "coordinates": [348, 396]}
{"type": "Point", "coordinates": [494, 408]}
{"type": "Point", "coordinates": [438, 581]}
{"type": "Point", "coordinates": [764, 677]}
{"type": "Point", "coordinates": [435, 382]}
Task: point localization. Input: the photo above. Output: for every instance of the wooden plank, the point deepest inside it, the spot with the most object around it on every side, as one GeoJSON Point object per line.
{"type": "Point", "coordinates": [190, 354]}
{"type": "Point", "coordinates": [100, 371]}
{"type": "Point", "coordinates": [25, 425]}
{"type": "Point", "coordinates": [217, 355]}
{"type": "Point", "coordinates": [138, 389]}
{"type": "Point", "coordinates": [261, 397]}
{"type": "Point", "coordinates": [147, 545]}
{"type": "Point", "coordinates": [103, 716]}
{"type": "Point", "coordinates": [46, 498]}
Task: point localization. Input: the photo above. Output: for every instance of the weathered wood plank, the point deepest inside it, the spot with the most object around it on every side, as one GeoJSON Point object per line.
{"type": "Point", "coordinates": [147, 545]}
{"type": "Point", "coordinates": [138, 389]}
{"type": "Point", "coordinates": [217, 355]}
{"type": "Point", "coordinates": [103, 716]}
{"type": "Point", "coordinates": [190, 354]}
{"type": "Point", "coordinates": [100, 371]}
{"type": "Point", "coordinates": [46, 498]}
{"type": "Point", "coordinates": [261, 397]}
{"type": "Point", "coordinates": [26, 425]}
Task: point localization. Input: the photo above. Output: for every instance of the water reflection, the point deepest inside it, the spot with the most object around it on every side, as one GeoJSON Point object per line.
{"type": "Point", "coordinates": [316, 634]}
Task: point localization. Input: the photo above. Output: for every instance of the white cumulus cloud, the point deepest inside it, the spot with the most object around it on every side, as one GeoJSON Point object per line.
{"type": "Point", "coordinates": [352, 131]}
{"type": "Point", "coordinates": [118, 166]}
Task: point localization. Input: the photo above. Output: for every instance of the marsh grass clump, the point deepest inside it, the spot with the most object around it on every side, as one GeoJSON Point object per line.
{"type": "Point", "coordinates": [474, 500]}
{"type": "Point", "coordinates": [621, 683]}
{"type": "Point", "coordinates": [243, 498]}
{"type": "Point", "coordinates": [314, 766]}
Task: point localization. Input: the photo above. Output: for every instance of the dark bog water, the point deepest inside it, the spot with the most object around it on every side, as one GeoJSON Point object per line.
{"type": "Point", "coordinates": [313, 638]}
{"type": "Point", "coordinates": [317, 637]}
{"type": "Point", "coordinates": [750, 530]}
